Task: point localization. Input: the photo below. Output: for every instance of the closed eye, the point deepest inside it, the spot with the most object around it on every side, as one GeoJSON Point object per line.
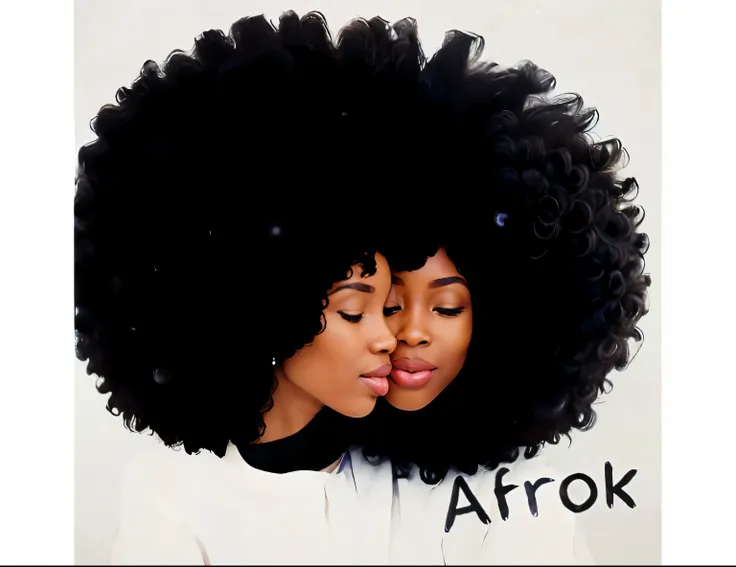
{"type": "Point", "coordinates": [388, 311]}
{"type": "Point", "coordinates": [449, 311]}
{"type": "Point", "coordinates": [351, 318]}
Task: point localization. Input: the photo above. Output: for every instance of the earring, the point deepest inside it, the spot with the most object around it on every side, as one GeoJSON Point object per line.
{"type": "Point", "coordinates": [273, 361]}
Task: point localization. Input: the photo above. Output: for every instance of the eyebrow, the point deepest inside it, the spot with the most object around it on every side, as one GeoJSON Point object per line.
{"type": "Point", "coordinates": [365, 288]}
{"type": "Point", "coordinates": [447, 281]}
{"type": "Point", "coordinates": [441, 282]}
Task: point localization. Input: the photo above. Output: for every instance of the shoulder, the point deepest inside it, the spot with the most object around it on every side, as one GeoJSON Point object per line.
{"type": "Point", "coordinates": [156, 465]}
{"type": "Point", "coordinates": [155, 527]}
{"type": "Point", "coordinates": [160, 474]}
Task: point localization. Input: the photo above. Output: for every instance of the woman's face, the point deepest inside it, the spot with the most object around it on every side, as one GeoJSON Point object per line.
{"type": "Point", "coordinates": [430, 313]}
{"type": "Point", "coordinates": [346, 366]}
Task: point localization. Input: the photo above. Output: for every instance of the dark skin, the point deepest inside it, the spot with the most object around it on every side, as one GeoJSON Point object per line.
{"type": "Point", "coordinates": [356, 340]}
{"type": "Point", "coordinates": [430, 312]}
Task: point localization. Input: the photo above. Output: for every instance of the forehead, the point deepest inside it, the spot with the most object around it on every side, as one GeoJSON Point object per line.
{"type": "Point", "coordinates": [436, 267]}
{"type": "Point", "coordinates": [357, 270]}
{"type": "Point", "coordinates": [367, 282]}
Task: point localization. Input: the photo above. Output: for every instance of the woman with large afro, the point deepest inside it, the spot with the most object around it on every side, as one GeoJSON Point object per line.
{"type": "Point", "coordinates": [518, 284]}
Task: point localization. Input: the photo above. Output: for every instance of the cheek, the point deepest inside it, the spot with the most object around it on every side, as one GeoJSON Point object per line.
{"type": "Point", "coordinates": [455, 343]}
{"type": "Point", "coordinates": [311, 362]}
{"type": "Point", "coordinates": [338, 347]}
{"type": "Point", "coordinates": [314, 369]}
{"type": "Point", "coordinates": [465, 333]}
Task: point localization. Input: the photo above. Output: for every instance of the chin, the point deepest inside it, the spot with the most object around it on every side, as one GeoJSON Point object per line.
{"type": "Point", "coordinates": [402, 401]}
{"type": "Point", "coordinates": [358, 410]}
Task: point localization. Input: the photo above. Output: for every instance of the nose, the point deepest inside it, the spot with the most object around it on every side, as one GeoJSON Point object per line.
{"type": "Point", "coordinates": [412, 331]}
{"type": "Point", "coordinates": [385, 342]}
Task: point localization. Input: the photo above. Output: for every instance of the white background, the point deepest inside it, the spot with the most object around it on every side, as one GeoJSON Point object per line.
{"type": "Point", "coordinates": [37, 151]}
{"type": "Point", "coordinates": [608, 52]}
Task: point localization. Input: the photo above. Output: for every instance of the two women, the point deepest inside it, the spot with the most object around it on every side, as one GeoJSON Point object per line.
{"type": "Point", "coordinates": [235, 224]}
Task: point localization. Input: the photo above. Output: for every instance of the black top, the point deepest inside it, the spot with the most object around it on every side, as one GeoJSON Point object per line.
{"type": "Point", "coordinates": [314, 447]}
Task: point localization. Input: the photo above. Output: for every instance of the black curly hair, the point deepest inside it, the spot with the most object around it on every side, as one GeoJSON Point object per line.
{"type": "Point", "coordinates": [226, 191]}
{"type": "Point", "coordinates": [222, 177]}
{"type": "Point", "coordinates": [533, 214]}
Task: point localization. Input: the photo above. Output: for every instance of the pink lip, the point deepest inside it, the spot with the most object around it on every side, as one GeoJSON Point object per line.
{"type": "Point", "coordinates": [380, 372]}
{"type": "Point", "coordinates": [376, 379]}
{"type": "Point", "coordinates": [412, 364]}
{"type": "Point", "coordinates": [411, 380]}
{"type": "Point", "coordinates": [379, 384]}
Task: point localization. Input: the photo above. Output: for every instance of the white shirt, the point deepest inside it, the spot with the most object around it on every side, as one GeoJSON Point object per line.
{"type": "Point", "coordinates": [419, 516]}
{"type": "Point", "coordinates": [180, 509]}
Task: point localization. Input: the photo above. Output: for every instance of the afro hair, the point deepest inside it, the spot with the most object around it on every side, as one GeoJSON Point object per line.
{"type": "Point", "coordinates": [226, 191]}
{"type": "Point", "coordinates": [536, 218]}
{"type": "Point", "coordinates": [229, 187]}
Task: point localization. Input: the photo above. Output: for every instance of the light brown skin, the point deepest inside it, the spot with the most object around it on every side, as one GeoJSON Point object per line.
{"type": "Point", "coordinates": [417, 314]}
{"type": "Point", "coordinates": [327, 371]}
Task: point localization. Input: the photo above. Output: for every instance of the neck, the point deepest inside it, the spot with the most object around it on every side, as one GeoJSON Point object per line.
{"type": "Point", "coordinates": [293, 409]}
